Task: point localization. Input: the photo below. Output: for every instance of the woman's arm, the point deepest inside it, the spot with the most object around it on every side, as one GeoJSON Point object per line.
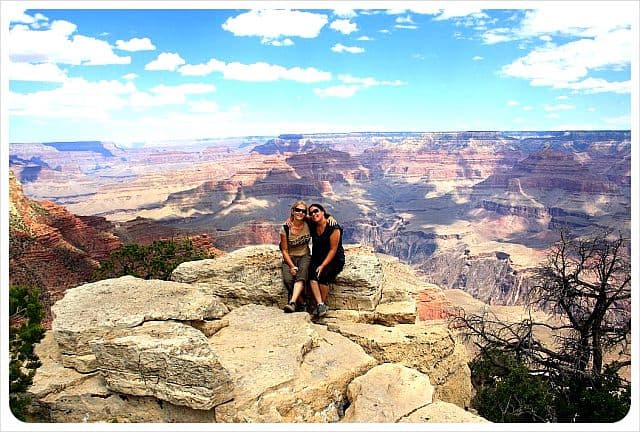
{"type": "Point", "coordinates": [334, 240]}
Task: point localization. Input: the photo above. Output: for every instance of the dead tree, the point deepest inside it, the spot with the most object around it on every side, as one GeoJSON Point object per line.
{"type": "Point", "coordinates": [585, 284]}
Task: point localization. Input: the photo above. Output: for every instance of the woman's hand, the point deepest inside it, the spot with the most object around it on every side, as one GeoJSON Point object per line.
{"type": "Point", "coordinates": [319, 270]}
{"type": "Point", "coordinates": [293, 271]}
{"type": "Point", "coordinates": [332, 221]}
{"type": "Point", "coordinates": [288, 223]}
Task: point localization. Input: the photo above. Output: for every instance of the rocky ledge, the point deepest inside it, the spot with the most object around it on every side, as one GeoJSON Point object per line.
{"type": "Point", "coordinates": [213, 345]}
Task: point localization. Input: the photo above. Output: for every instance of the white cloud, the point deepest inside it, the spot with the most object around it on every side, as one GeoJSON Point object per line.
{"type": "Point", "coordinates": [592, 19]}
{"type": "Point", "coordinates": [43, 72]}
{"type": "Point", "coordinates": [166, 62]}
{"type": "Point", "coordinates": [260, 71]}
{"type": "Point", "coordinates": [178, 125]}
{"type": "Point", "coordinates": [459, 10]}
{"type": "Point", "coordinates": [598, 85]}
{"type": "Point", "coordinates": [344, 12]}
{"type": "Point", "coordinates": [552, 116]}
{"type": "Point", "coordinates": [477, 58]}
{"type": "Point", "coordinates": [16, 13]}
{"type": "Point", "coordinates": [59, 44]}
{"type": "Point", "coordinates": [339, 91]}
{"type": "Point", "coordinates": [78, 98]}
{"type": "Point", "coordinates": [623, 121]}
{"type": "Point", "coordinates": [344, 26]}
{"type": "Point", "coordinates": [212, 65]}
{"type": "Point", "coordinates": [405, 26]}
{"type": "Point", "coordinates": [75, 99]}
{"type": "Point", "coordinates": [404, 20]}
{"type": "Point", "coordinates": [567, 66]}
{"type": "Point", "coordinates": [527, 108]}
{"type": "Point", "coordinates": [163, 95]}
{"type": "Point", "coordinates": [498, 35]}
{"type": "Point", "coordinates": [369, 81]}
{"type": "Point", "coordinates": [203, 107]}
{"type": "Point", "coordinates": [283, 42]}
{"type": "Point", "coordinates": [130, 76]}
{"type": "Point", "coordinates": [364, 38]}
{"type": "Point", "coordinates": [339, 48]}
{"type": "Point", "coordinates": [562, 97]}
{"type": "Point", "coordinates": [352, 85]}
{"type": "Point", "coordinates": [559, 107]}
{"type": "Point", "coordinates": [135, 44]}
{"type": "Point", "coordinates": [513, 103]}
{"type": "Point", "coordinates": [273, 24]}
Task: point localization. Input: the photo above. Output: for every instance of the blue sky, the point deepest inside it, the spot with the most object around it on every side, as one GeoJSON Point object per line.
{"type": "Point", "coordinates": [142, 75]}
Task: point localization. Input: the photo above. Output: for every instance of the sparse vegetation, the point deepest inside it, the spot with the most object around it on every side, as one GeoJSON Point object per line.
{"type": "Point", "coordinates": [25, 330]}
{"type": "Point", "coordinates": [585, 284]}
{"type": "Point", "coordinates": [154, 261]}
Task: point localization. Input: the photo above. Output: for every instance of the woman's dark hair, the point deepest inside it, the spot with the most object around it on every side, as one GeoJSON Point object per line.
{"type": "Point", "coordinates": [318, 206]}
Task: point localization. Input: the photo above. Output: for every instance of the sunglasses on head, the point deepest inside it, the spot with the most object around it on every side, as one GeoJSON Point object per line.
{"type": "Point", "coordinates": [314, 211]}
{"type": "Point", "coordinates": [299, 210]}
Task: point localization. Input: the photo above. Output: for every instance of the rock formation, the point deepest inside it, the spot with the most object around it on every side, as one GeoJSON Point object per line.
{"type": "Point", "coordinates": [213, 345]}
{"type": "Point", "coordinates": [50, 248]}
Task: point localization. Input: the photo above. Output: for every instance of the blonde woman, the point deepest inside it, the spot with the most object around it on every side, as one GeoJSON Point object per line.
{"type": "Point", "coordinates": [296, 256]}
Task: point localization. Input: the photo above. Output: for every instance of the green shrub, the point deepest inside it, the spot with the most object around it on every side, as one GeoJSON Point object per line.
{"type": "Point", "coordinates": [154, 261]}
{"type": "Point", "coordinates": [26, 312]}
{"type": "Point", "coordinates": [507, 392]}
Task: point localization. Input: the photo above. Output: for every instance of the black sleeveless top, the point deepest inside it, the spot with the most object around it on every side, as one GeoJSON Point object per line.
{"type": "Point", "coordinates": [322, 245]}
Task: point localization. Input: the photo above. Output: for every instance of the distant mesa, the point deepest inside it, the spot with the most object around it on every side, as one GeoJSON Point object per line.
{"type": "Point", "coordinates": [92, 146]}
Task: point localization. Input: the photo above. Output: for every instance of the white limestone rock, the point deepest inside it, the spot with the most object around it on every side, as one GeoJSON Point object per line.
{"type": "Point", "coordinates": [94, 310]}
{"type": "Point", "coordinates": [168, 360]}
{"type": "Point", "coordinates": [387, 393]}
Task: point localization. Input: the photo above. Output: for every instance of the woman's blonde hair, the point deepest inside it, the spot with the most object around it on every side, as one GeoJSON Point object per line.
{"type": "Point", "coordinates": [296, 204]}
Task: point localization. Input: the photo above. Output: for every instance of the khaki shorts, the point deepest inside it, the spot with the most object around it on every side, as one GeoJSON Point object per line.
{"type": "Point", "coordinates": [302, 262]}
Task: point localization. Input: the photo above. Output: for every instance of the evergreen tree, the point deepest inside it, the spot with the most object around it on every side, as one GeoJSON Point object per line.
{"type": "Point", "coordinates": [25, 330]}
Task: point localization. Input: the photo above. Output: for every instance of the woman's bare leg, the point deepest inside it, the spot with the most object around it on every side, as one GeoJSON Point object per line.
{"type": "Point", "coordinates": [298, 287]}
{"type": "Point", "coordinates": [315, 290]}
{"type": "Point", "coordinates": [324, 292]}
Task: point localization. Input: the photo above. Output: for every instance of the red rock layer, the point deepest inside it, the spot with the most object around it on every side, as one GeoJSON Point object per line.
{"type": "Point", "coordinates": [431, 304]}
{"type": "Point", "coordinates": [52, 249]}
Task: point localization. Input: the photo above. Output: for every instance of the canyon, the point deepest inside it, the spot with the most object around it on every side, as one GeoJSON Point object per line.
{"type": "Point", "coordinates": [474, 211]}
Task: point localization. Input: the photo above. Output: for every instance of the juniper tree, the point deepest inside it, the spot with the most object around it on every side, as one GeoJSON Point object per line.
{"type": "Point", "coordinates": [585, 284]}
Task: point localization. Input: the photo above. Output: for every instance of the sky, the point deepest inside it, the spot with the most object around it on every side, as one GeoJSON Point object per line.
{"type": "Point", "coordinates": [123, 72]}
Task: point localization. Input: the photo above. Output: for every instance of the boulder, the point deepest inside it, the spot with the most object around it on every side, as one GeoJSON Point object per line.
{"type": "Point", "coordinates": [386, 394]}
{"type": "Point", "coordinates": [92, 401]}
{"type": "Point", "coordinates": [442, 412]}
{"type": "Point", "coordinates": [284, 367]}
{"type": "Point", "coordinates": [430, 349]}
{"type": "Point", "coordinates": [94, 310]}
{"type": "Point", "coordinates": [169, 360]}
{"type": "Point", "coordinates": [250, 275]}
{"type": "Point", "coordinates": [253, 275]}
{"type": "Point", "coordinates": [359, 285]}
{"type": "Point", "coordinates": [63, 395]}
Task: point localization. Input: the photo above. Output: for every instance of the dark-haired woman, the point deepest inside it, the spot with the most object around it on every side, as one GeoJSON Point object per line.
{"type": "Point", "coordinates": [327, 257]}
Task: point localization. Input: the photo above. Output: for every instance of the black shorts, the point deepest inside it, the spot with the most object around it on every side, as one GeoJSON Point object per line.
{"type": "Point", "coordinates": [329, 273]}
